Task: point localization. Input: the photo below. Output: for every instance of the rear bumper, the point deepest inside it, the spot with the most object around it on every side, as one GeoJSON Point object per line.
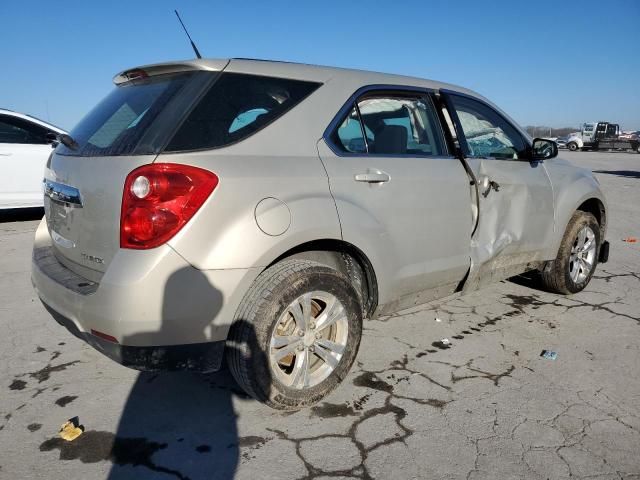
{"type": "Point", "coordinates": [201, 357]}
{"type": "Point", "coordinates": [162, 312]}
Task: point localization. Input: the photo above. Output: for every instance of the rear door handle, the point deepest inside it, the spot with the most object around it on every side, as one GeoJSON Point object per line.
{"type": "Point", "coordinates": [5, 154]}
{"type": "Point", "coordinates": [373, 176]}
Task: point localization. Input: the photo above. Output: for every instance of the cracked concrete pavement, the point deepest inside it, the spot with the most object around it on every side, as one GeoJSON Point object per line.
{"type": "Point", "coordinates": [484, 406]}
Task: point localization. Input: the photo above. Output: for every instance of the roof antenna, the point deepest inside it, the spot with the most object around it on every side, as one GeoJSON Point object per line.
{"type": "Point", "coordinates": [193, 45]}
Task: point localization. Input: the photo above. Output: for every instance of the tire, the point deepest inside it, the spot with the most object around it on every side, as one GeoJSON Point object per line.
{"type": "Point", "coordinates": [266, 317]}
{"type": "Point", "coordinates": [567, 274]}
{"type": "Point", "coordinates": [573, 146]}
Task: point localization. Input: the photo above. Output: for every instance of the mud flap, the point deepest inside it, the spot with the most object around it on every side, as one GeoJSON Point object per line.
{"type": "Point", "coordinates": [604, 252]}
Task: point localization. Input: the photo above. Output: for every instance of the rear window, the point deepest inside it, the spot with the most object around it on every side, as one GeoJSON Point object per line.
{"type": "Point", "coordinates": [236, 106]}
{"type": "Point", "coordinates": [117, 125]}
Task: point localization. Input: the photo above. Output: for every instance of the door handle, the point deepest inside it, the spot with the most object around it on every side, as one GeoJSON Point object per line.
{"type": "Point", "coordinates": [5, 154]}
{"type": "Point", "coordinates": [487, 185]}
{"type": "Point", "coordinates": [372, 176]}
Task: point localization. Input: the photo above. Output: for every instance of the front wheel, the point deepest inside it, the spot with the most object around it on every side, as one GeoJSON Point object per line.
{"type": "Point", "coordinates": [573, 146]}
{"type": "Point", "coordinates": [296, 334]}
{"type": "Point", "coordinates": [577, 258]}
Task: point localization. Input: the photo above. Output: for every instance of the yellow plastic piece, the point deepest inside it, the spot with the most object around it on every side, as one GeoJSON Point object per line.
{"type": "Point", "coordinates": [69, 431]}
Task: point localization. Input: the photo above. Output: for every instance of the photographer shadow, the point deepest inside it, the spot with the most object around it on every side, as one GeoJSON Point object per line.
{"type": "Point", "coordinates": [180, 424]}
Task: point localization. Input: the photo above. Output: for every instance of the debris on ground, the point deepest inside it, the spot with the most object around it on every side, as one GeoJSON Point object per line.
{"type": "Point", "coordinates": [630, 239]}
{"type": "Point", "coordinates": [549, 355]}
{"type": "Point", "coordinates": [71, 429]}
{"type": "Point", "coordinates": [445, 341]}
{"type": "Point", "coordinates": [438, 319]}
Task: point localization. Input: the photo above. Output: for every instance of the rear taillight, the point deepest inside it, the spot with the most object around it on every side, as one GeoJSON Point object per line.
{"type": "Point", "coordinates": [159, 199]}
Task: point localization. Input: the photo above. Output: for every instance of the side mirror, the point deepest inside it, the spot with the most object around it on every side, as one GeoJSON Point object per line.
{"type": "Point", "coordinates": [52, 139]}
{"type": "Point", "coordinates": [543, 149]}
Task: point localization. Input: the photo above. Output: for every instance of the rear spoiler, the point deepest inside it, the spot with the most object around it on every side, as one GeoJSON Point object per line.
{"type": "Point", "coordinates": [211, 65]}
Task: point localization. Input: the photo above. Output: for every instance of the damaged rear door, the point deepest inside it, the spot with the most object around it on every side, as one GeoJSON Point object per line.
{"type": "Point", "coordinates": [514, 196]}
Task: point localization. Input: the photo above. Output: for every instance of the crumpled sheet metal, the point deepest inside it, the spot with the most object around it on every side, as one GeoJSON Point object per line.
{"type": "Point", "coordinates": [503, 223]}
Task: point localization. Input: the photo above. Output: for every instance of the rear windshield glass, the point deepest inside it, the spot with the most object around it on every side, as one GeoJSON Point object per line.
{"type": "Point", "coordinates": [236, 106]}
{"type": "Point", "coordinates": [116, 125]}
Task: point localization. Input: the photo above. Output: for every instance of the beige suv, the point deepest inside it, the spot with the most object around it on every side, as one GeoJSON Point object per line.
{"type": "Point", "coordinates": [264, 209]}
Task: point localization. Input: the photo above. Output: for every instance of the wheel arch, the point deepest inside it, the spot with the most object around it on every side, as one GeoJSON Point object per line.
{"type": "Point", "coordinates": [591, 201]}
{"type": "Point", "coordinates": [596, 207]}
{"type": "Point", "coordinates": [346, 258]}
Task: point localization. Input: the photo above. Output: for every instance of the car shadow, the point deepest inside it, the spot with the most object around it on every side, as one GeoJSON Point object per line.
{"type": "Point", "coordinates": [531, 279]}
{"type": "Point", "coordinates": [180, 424]}
{"type": "Point", "coordinates": [21, 214]}
{"type": "Point", "coordinates": [620, 173]}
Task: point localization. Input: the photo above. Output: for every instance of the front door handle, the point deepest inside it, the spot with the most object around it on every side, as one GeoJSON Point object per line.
{"type": "Point", "coordinates": [487, 185]}
{"type": "Point", "coordinates": [373, 176]}
{"type": "Point", "coordinates": [5, 154]}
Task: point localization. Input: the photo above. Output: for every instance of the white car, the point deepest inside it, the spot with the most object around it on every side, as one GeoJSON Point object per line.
{"type": "Point", "coordinates": [24, 150]}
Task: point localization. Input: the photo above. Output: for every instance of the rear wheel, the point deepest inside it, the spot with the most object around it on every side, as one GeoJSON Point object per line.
{"type": "Point", "coordinates": [577, 258]}
{"type": "Point", "coordinates": [573, 146]}
{"type": "Point", "coordinates": [296, 334]}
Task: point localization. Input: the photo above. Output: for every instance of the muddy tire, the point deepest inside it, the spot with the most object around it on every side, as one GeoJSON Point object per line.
{"type": "Point", "coordinates": [577, 257]}
{"type": "Point", "coordinates": [296, 334]}
{"type": "Point", "coordinates": [573, 146]}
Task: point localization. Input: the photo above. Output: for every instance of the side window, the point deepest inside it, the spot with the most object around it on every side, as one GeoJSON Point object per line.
{"type": "Point", "coordinates": [236, 106]}
{"type": "Point", "coordinates": [16, 130]}
{"type": "Point", "coordinates": [349, 134]}
{"type": "Point", "coordinates": [394, 124]}
{"type": "Point", "coordinates": [487, 133]}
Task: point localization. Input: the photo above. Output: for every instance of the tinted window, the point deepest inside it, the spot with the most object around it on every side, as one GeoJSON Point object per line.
{"type": "Point", "coordinates": [487, 133]}
{"type": "Point", "coordinates": [393, 125]}
{"type": "Point", "coordinates": [349, 134]}
{"type": "Point", "coordinates": [17, 130]}
{"type": "Point", "coordinates": [236, 106]}
{"type": "Point", "coordinates": [117, 124]}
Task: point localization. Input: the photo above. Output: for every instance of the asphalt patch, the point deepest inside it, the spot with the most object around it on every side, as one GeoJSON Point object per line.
{"type": "Point", "coordinates": [45, 373]}
{"type": "Point", "coordinates": [66, 400]}
{"type": "Point", "coordinates": [369, 380]}
{"type": "Point", "coordinates": [17, 385]}
{"type": "Point", "coordinates": [95, 446]}
{"type": "Point", "coordinates": [330, 410]}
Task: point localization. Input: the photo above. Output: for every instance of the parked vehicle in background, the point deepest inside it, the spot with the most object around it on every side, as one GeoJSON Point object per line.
{"type": "Point", "coordinates": [24, 149]}
{"type": "Point", "coordinates": [632, 135]}
{"type": "Point", "coordinates": [264, 209]}
{"type": "Point", "coordinates": [562, 141]}
{"type": "Point", "coordinates": [601, 136]}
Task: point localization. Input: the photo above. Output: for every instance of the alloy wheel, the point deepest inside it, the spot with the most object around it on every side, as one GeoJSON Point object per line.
{"type": "Point", "coordinates": [583, 255]}
{"type": "Point", "coordinates": [308, 340]}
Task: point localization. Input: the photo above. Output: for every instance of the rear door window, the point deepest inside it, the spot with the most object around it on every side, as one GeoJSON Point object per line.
{"type": "Point", "coordinates": [235, 107]}
{"type": "Point", "coordinates": [391, 124]}
{"type": "Point", "coordinates": [350, 134]}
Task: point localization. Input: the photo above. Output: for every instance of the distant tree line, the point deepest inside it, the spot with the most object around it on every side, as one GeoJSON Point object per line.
{"type": "Point", "coordinates": [542, 131]}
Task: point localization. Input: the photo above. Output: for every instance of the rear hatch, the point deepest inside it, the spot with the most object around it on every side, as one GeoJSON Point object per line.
{"type": "Point", "coordinates": [84, 181]}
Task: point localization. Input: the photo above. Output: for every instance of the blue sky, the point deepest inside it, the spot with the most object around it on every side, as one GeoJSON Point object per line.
{"type": "Point", "coordinates": [556, 63]}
